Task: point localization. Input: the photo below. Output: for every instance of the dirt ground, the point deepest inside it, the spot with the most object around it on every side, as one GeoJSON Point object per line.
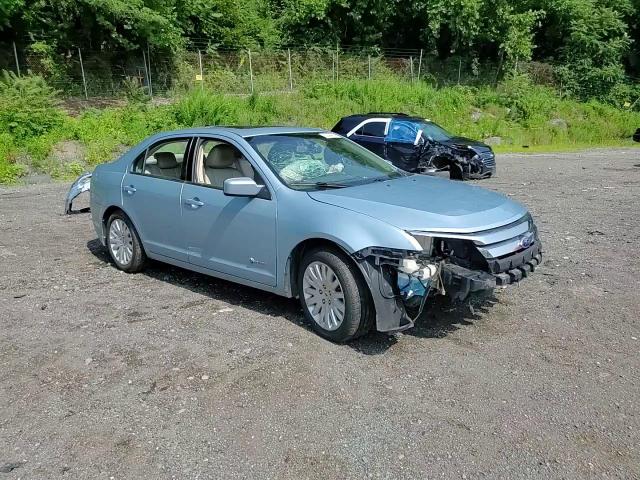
{"type": "Point", "coordinates": [171, 374]}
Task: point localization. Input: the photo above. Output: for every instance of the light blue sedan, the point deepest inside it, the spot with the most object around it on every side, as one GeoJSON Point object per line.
{"type": "Point", "coordinates": [307, 213]}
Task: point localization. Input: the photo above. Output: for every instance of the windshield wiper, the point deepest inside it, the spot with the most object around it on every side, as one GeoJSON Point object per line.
{"type": "Point", "coordinates": [319, 184]}
{"type": "Point", "coordinates": [383, 179]}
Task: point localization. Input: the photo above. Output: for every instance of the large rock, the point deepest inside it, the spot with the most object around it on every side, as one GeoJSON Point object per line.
{"type": "Point", "coordinates": [493, 140]}
{"type": "Point", "coordinates": [558, 123]}
{"type": "Point", "coordinates": [476, 115]}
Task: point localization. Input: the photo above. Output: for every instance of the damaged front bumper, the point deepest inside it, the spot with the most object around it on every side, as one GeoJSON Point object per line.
{"type": "Point", "coordinates": [443, 270]}
{"type": "Point", "coordinates": [442, 157]}
{"type": "Point", "coordinates": [82, 184]}
{"type": "Point", "coordinates": [482, 171]}
{"type": "Point", "coordinates": [381, 269]}
{"type": "Point", "coordinates": [460, 281]}
{"type": "Point", "coordinates": [482, 165]}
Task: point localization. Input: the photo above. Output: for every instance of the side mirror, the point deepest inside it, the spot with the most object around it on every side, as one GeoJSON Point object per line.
{"type": "Point", "coordinates": [241, 187]}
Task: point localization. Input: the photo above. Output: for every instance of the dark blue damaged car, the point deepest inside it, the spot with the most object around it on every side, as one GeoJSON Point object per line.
{"type": "Point", "coordinates": [418, 145]}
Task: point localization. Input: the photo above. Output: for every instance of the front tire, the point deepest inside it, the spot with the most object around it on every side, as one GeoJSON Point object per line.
{"type": "Point", "coordinates": [123, 243]}
{"type": "Point", "coordinates": [456, 172]}
{"type": "Point", "coordinates": [333, 295]}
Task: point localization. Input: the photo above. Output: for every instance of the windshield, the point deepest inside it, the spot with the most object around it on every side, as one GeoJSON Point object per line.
{"type": "Point", "coordinates": [312, 161]}
{"type": "Point", "coordinates": [410, 131]}
{"type": "Point", "coordinates": [430, 129]}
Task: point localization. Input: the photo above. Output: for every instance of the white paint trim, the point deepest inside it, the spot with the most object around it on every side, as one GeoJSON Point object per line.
{"type": "Point", "coordinates": [386, 121]}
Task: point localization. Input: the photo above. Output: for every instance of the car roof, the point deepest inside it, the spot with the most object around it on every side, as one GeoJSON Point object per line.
{"type": "Point", "coordinates": [242, 131]}
{"type": "Point", "coordinates": [403, 116]}
{"type": "Point", "coordinates": [346, 124]}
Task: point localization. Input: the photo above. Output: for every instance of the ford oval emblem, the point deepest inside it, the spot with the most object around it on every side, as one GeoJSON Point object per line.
{"type": "Point", "coordinates": [526, 240]}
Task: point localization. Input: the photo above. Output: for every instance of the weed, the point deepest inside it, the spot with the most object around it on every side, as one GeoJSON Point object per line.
{"type": "Point", "coordinates": [517, 111]}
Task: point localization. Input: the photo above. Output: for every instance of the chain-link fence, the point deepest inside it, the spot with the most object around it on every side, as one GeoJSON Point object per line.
{"type": "Point", "coordinates": [98, 73]}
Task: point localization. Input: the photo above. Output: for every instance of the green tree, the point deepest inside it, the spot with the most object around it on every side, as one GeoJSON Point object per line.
{"type": "Point", "coordinates": [231, 23]}
{"type": "Point", "coordinates": [9, 8]}
{"type": "Point", "coordinates": [595, 44]}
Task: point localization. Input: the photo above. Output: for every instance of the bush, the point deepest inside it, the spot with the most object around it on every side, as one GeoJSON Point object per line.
{"type": "Point", "coordinates": [28, 106]}
{"type": "Point", "coordinates": [134, 92]}
{"type": "Point", "coordinates": [526, 102]}
{"type": "Point", "coordinates": [9, 170]}
{"type": "Point", "coordinates": [201, 107]}
{"type": "Point", "coordinates": [517, 111]}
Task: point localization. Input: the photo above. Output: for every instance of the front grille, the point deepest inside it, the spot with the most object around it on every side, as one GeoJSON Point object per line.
{"type": "Point", "coordinates": [494, 244]}
{"type": "Point", "coordinates": [488, 159]}
{"type": "Point", "coordinates": [503, 241]}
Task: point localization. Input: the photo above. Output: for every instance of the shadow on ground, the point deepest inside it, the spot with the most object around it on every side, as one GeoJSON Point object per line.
{"type": "Point", "coordinates": [439, 318]}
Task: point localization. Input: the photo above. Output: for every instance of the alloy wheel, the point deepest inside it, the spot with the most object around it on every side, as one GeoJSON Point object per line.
{"type": "Point", "coordinates": [120, 242]}
{"type": "Point", "coordinates": [323, 295]}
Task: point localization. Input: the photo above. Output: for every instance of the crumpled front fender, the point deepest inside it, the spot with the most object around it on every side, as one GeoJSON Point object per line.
{"type": "Point", "coordinates": [82, 184]}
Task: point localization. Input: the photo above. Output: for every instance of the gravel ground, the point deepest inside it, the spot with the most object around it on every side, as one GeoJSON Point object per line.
{"type": "Point", "coordinates": [171, 374]}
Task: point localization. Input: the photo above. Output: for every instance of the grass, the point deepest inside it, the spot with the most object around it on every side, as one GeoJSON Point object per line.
{"type": "Point", "coordinates": [564, 148]}
{"type": "Point", "coordinates": [10, 171]}
{"type": "Point", "coordinates": [516, 111]}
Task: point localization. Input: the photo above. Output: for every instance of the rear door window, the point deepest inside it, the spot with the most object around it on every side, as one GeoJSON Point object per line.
{"type": "Point", "coordinates": [372, 129]}
{"type": "Point", "coordinates": [164, 159]}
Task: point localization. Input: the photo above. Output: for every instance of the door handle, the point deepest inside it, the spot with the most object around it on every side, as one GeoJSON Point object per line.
{"type": "Point", "coordinates": [194, 202]}
{"type": "Point", "coordinates": [130, 189]}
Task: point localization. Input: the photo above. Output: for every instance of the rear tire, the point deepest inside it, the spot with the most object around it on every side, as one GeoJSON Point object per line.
{"type": "Point", "coordinates": [334, 297]}
{"type": "Point", "coordinates": [123, 243]}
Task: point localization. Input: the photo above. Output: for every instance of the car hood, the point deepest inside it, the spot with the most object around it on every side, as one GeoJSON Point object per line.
{"type": "Point", "coordinates": [420, 202]}
{"type": "Point", "coordinates": [462, 142]}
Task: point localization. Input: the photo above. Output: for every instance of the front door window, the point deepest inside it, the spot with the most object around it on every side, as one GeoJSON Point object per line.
{"type": "Point", "coordinates": [217, 161]}
{"type": "Point", "coordinates": [230, 235]}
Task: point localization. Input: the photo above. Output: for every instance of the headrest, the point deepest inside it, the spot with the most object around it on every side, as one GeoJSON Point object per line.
{"type": "Point", "coordinates": [221, 156]}
{"type": "Point", "coordinates": [166, 160]}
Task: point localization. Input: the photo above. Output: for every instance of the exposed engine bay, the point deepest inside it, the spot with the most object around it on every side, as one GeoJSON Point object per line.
{"type": "Point", "coordinates": [401, 282]}
{"type": "Point", "coordinates": [463, 163]}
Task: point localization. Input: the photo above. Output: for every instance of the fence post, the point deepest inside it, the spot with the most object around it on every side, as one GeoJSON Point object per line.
{"type": "Point", "coordinates": [84, 79]}
{"type": "Point", "coordinates": [290, 74]}
{"type": "Point", "coordinates": [495, 80]}
{"type": "Point", "coordinates": [420, 65]}
{"type": "Point", "coordinates": [146, 68]}
{"type": "Point", "coordinates": [369, 59]}
{"type": "Point", "coordinates": [459, 69]}
{"type": "Point", "coordinates": [411, 67]}
{"type": "Point", "coordinates": [333, 68]}
{"type": "Point", "coordinates": [250, 72]}
{"type": "Point", "coordinates": [337, 67]}
{"type": "Point", "coordinates": [201, 74]}
{"type": "Point", "coordinates": [15, 54]}
{"type": "Point", "coordinates": [149, 60]}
